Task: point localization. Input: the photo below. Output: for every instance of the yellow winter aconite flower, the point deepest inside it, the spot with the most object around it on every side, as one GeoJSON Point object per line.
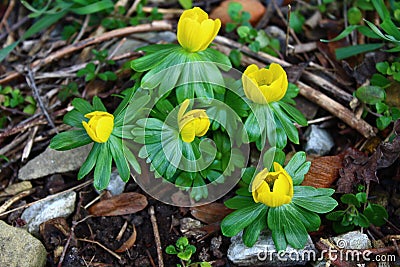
{"type": "Point", "coordinates": [193, 123]}
{"type": "Point", "coordinates": [195, 30]}
{"type": "Point", "coordinates": [100, 125]}
{"type": "Point", "coordinates": [264, 86]}
{"type": "Point", "coordinates": [273, 189]}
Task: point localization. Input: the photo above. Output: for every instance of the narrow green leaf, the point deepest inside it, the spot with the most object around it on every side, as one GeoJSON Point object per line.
{"type": "Point", "coordinates": [74, 118]}
{"type": "Point", "coordinates": [90, 161]}
{"type": "Point", "coordinates": [119, 157]}
{"type": "Point", "coordinates": [345, 52]}
{"type": "Point", "coordinates": [343, 34]}
{"type": "Point", "coordinates": [294, 113]}
{"type": "Point", "coordinates": [239, 219]}
{"type": "Point", "coordinates": [69, 140]}
{"type": "Point", "coordinates": [252, 232]}
{"type": "Point", "coordinates": [239, 202]}
{"type": "Point", "coordinates": [275, 223]}
{"type": "Point", "coordinates": [82, 105]}
{"type": "Point", "coordinates": [102, 170]}
{"type": "Point", "coordinates": [98, 104]}
{"type": "Point", "coordinates": [93, 8]}
{"type": "Point", "coordinates": [287, 125]}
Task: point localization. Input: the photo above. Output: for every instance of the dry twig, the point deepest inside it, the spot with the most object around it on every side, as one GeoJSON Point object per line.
{"type": "Point", "coordinates": [156, 236]}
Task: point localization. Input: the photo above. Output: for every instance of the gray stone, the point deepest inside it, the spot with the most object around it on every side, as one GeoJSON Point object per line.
{"type": "Point", "coordinates": [18, 248]}
{"type": "Point", "coordinates": [352, 240]}
{"type": "Point", "coordinates": [61, 206]}
{"type": "Point", "coordinates": [319, 141]}
{"type": "Point", "coordinates": [116, 185]}
{"type": "Point", "coordinates": [156, 37]}
{"type": "Point", "coordinates": [264, 253]}
{"type": "Point", "coordinates": [52, 161]}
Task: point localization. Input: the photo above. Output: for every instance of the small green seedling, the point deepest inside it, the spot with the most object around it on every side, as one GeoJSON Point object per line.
{"type": "Point", "coordinates": [13, 98]}
{"type": "Point", "coordinates": [346, 220]}
{"type": "Point", "coordinates": [92, 71]}
{"type": "Point", "coordinates": [184, 251]}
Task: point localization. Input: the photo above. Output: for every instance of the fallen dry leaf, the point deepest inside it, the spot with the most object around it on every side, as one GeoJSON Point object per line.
{"type": "Point", "coordinates": [16, 188]}
{"type": "Point", "coordinates": [210, 213]}
{"type": "Point", "coordinates": [358, 167]}
{"type": "Point", "coordinates": [323, 171]}
{"type": "Point", "coordinates": [125, 203]}
{"type": "Point", "coordinates": [128, 243]}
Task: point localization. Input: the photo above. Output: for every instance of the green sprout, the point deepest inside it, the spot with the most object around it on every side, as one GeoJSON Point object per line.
{"type": "Point", "coordinates": [347, 219]}
{"type": "Point", "coordinates": [91, 71]}
{"type": "Point", "coordinates": [184, 251]}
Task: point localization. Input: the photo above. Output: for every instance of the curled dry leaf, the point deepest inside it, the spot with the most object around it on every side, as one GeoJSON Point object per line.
{"type": "Point", "coordinates": [323, 171]}
{"type": "Point", "coordinates": [210, 213]}
{"type": "Point", "coordinates": [125, 203]}
{"type": "Point", "coordinates": [128, 243]}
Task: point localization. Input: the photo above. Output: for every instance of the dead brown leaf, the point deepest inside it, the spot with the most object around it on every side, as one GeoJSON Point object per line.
{"type": "Point", "coordinates": [125, 203]}
{"type": "Point", "coordinates": [358, 167]}
{"type": "Point", "coordinates": [210, 213]}
{"type": "Point", "coordinates": [323, 171]}
{"type": "Point", "coordinates": [128, 243]}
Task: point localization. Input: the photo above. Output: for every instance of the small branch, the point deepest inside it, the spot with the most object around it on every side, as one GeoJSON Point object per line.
{"type": "Point", "coordinates": [30, 80]}
{"type": "Point", "coordinates": [154, 26]}
{"type": "Point", "coordinates": [102, 246]}
{"type": "Point", "coordinates": [156, 236]}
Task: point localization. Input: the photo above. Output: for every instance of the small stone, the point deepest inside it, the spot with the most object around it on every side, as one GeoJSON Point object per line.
{"type": "Point", "coordinates": [254, 7]}
{"type": "Point", "coordinates": [52, 161]}
{"type": "Point", "coordinates": [61, 206]}
{"type": "Point", "coordinates": [319, 141]}
{"type": "Point", "coordinates": [19, 248]}
{"type": "Point", "coordinates": [191, 227]}
{"type": "Point", "coordinates": [352, 240]}
{"type": "Point", "coordinates": [116, 185]}
{"type": "Point", "coordinates": [264, 253]}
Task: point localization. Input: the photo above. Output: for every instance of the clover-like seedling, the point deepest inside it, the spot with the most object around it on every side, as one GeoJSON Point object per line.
{"type": "Point", "coordinates": [346, 220]}
{"type": "Point", "coordinates": [184, 251]}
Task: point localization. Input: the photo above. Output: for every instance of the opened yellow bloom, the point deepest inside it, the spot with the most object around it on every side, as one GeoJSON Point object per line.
{"type": "Point", "coordinates": [273, 189]}
{"type": "Point", "coordinates": [264, 86]}
{"type": "Point", "coordinates": [193, 123]}
{"type": "Point", "coordinates": [195, 30]}
{"type": "Point", "coordinates": [100, 125]}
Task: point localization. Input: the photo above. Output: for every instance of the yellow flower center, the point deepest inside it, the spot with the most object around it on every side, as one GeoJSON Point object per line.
{"type": "Point", "coordinates": [100, 125]}
{"type": "Point", "coordinates": [273, 189]}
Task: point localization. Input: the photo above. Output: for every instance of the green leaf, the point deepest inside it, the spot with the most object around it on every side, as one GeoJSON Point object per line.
{"type": "Point", "coordinates": [295, 232]}
{"type": "Point", "coordinates": [335, 215]}
{"type": "Point", "coordinates": [7, 50]}
{"type": "Point", "coordinates": [98, 104]}
{"type": "Point", "coordinates": [186, 4]}
{"type": "Point", "coordinates": [362, 197]}
{"type": "Point", "coordinates": [287, 125]}
{"type": "Point", "coordinates": [153, 56]}
{"type": "Point", "coordinates": [376, 214]}
{"type": "Point", "coordinates": [350, 199]}
{"type": "Point", "coordinates": [313, 200]}
{"type": "Point", "coordinates": [294, 113]}
{"type": "Point", "coordinates": [236, 57]}
{"type": "Point", "coordinates": [82, 106]}
{"type": "Point", "coordinates": [383, 122]}
{"type": "Point", "coordinates": [370, 94]}
{"type": "Point", "coordinates": [90, 161]}
{"type": "Point", "coordinates": [252, 232]}
{"type": "Point", "coordinates": [349, 51]}
{"type": "Point", "coordinates": [297, 167]}
{"type": "Point", "coordinates": [342, 35]}
{"type": "Point", "coordinates": [354, 15]}
{"type": "Point", "coordinates": [382, 67]}
{"type": "Point", "coordinates": [239, 202]}
{"type": "Point", "coordinates": [381, 107]}
{"type": "Point", "coordinates": [275, 222]}
{"type": "Point", "coordinates": [171, 250]}
{"type": "Point", "coordinates": [182, 242]}
{"type": "Point", "coordinates": [117, 153]}
{"type": "Point", "coordinates": [93, 8]}
{"type": "Point", "coordinates": [339, 228]}
{"type": "Point", "coordinates": [102, 170]}
{"type": "Point", "coordinates": [239, 219]}
{"type": "Point", "coordinates": [361, 220]}
{"type": "Point", "coordinates": [309, 219]}
{"type": "Point", "coordinates": [69, 140]}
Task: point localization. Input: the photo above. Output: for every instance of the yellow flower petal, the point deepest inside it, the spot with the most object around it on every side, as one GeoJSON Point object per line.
{"type": "Point", "coordinates": [264, 86]}
{"type": "Point", "coordinates": [195, 30]}
{"type": "Point", "coordinates": [188, 132]}
{"type": "Point", "coordinates": [192, 123]}
{"type": "Point", "coordinates": [100, 125]}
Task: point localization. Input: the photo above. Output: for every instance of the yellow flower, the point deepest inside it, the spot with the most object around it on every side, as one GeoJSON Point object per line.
{"type": "Point", "coordinates": [195, 30]}
{"type": "Point", "coordinates": [273, 189]}
{"type": "Point", "coordinates": [100, 125]}
{"type": "Point", "coordinates": [264, 86]}
{"type": "Point", "coordinates": [193, 123]}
